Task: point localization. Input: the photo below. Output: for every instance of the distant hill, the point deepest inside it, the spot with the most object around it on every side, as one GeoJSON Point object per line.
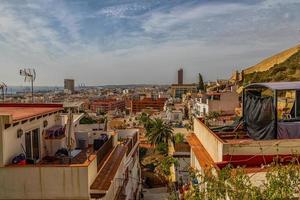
{"type": "Point", "coordinates": [284, 66]}
{"type": "Point", "coordinates": [268, 63]}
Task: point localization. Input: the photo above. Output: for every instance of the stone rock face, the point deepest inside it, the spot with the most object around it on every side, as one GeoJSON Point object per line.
{"type": "Point", "coordinates": [271, 61]}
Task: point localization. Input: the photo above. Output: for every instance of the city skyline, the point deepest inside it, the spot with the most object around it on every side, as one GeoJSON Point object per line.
{"type": "Point", "coordinates": [140, 42]}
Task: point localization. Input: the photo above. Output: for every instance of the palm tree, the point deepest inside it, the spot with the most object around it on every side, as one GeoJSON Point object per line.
{"type": "Point", "coordinates": [160, 132]}
{"type": "Point", "coordinates": [146, 121]}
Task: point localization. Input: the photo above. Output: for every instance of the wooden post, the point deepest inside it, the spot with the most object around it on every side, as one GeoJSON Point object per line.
{"type": "Point", "coordinates": [4, 119]}
{"type": "Point", "coordinates": [275, 111]}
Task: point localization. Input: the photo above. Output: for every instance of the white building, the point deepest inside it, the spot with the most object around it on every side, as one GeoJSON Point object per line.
{"type": "Point", "coordinates": [200, 107]}
{"type": "Point", "coordinates": [174, 115]}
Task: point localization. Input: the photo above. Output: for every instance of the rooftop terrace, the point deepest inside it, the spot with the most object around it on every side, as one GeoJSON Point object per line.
{"type": "Point", "coordinates": [237, 148]}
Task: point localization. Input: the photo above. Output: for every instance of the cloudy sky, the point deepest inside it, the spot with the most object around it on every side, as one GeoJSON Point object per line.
{"type": "Point", "coordinates": [143, 41]}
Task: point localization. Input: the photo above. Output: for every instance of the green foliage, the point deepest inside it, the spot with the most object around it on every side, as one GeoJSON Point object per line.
{"type": "Point", "coordinates": [142, 152]}
{"type": "Point", "coordinates": [282, 182]}
{"type": "Point", "coordinates": [201, 85]}
{"type": "Point", "coordinates": [189, 126]}
{"type": "Point", "coordinates": [145, 120]}
{"type": "Point", "coordinates": [162, 148]}
{"type": "Point", "coordinates": [285, 71]}
{"type": "Point", "coordinates": [213, 115]}
{"type": "Point", "coordinates": [164, 167]}
{"type": "Point", "coordinates": [159, 131]}
{"type": "Point", "coordinates": [87, 120]}
{"type": "Point", "coordinates": [179, 138]}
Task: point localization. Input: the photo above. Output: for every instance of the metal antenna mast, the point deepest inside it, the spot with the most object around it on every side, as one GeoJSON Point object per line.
{"type": "Point", "coordinates": [30, 76]}
{"type": "Point", "coordinates": [3, 87]}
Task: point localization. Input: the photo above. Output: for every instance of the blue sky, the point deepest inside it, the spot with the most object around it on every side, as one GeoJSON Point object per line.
{"type": "Point", "coordinates": [121, 42]}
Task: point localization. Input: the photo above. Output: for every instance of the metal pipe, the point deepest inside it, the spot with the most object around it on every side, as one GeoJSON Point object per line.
{"type": "Point", "coordinates": [275, 111]}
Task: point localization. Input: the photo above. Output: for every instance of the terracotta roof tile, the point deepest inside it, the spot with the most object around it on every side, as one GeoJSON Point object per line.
{"type": "Point", "coordinates": [26, 111]}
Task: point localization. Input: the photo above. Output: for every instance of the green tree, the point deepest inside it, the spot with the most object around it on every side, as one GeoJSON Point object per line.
{"type": "Point", "coordinates": [164, 166]}
{"type": "Point", "coordinates": [145, 120]}
{"type": "Point", "coordinates": [201, 85]}
{"type": "Point", "coordinates": [162, 148]}
{"type": "Point", "coordinates": [159, 132]}
{"type": "Point", "coordinates": [282, 182]}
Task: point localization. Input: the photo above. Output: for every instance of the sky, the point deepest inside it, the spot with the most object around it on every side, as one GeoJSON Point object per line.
{"type": "Point", "coordinates": [98, 42]}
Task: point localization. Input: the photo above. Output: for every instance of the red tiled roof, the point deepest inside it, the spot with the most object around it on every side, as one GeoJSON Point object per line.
{"type": "Point", "coordinates": [26, 111]}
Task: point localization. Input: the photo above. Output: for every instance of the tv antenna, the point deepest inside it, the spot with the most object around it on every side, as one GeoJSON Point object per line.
{"type": "Point", "coordinates": [3, 88]}
{"type": "Point", "coordinates": [29, 76]}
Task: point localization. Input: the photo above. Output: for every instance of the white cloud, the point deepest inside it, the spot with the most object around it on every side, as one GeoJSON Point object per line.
{"type": "Point", "coordinates": [122, 10]}
{"type": "Point", "coordinates": [161, 22]}
{"type": "Point", "coordinates": [213, 39]}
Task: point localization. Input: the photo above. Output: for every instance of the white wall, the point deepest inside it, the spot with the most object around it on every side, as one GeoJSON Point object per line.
{"type": "Point", "coordinates": [211, 143]}
{"type": "Point", "coordinates": [133, 181]}
{"type": "Point", "coordinates": [200, 108]}
{"type": "Point", "coordinates": [12, 145]}
{"type": "Point", "coordinates": [44, 183]}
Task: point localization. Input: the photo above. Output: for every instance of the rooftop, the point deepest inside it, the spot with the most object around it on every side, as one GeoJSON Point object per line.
{"type": "Point", "coordinates": [185, 85]}
{"type": "Point", "coordinates": [234, 146]}
{"type": "Point", "coordinates": [19, 111]}
{"type": "Point", "coordinates": [107, 173]}
{"type": "Point", "coordinates": [203, 157]}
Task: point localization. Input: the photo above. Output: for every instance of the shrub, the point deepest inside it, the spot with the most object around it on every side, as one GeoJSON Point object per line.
{"type": "Point", "coordinates": [162, 148]}
{"type": "Point", "coordinates": [179, 138]}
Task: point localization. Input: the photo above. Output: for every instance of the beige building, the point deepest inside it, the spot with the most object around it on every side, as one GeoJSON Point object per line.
{"type": "Point", "coordinates": [178, 90]}
{"type": "Point", "coordinates": [222, 102]}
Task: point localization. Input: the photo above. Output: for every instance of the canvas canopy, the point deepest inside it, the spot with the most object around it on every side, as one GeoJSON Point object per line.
{"type": "Point", "coordinates": [260, 112]}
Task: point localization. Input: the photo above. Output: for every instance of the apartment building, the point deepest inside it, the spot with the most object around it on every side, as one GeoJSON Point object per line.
{"type": "Point", "coordinates": [106, 105]}
{"type": "Point", "coordinates": [221, 102]}
{"type": "Point", "coordinates": [147, 103]}
{"type": "Point", "coordinates": [177, 90]}
{"type": "Point", "coordinates": [34, 163]}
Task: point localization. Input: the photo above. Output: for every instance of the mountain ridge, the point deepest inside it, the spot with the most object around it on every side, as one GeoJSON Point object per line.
{"type": "Point", "coordinates": [271, 61]}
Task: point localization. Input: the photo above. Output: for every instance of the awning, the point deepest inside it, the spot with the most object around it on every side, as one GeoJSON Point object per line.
{"type": "Point", "coordinates": [276, 85]}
